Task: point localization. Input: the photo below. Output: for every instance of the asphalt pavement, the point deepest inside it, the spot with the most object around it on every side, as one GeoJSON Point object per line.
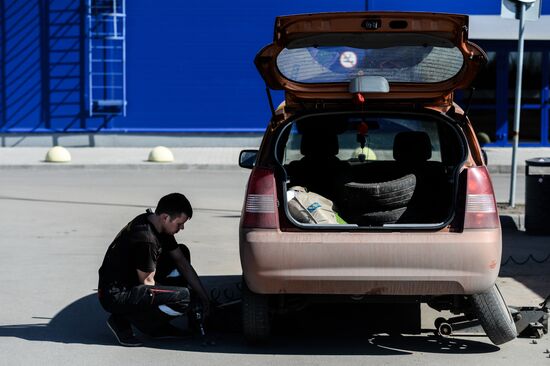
{"type": "Point", "coordinates": [59, 218]}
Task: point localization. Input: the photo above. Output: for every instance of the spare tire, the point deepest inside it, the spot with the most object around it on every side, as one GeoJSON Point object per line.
{"type": "Point", "coordinates": [380, 217]}
{"type": "Point", "coordinates": [362, 198]}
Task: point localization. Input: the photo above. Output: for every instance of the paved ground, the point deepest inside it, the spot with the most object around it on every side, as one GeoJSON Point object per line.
{"type": "Point", "coordinates": [57, 223]}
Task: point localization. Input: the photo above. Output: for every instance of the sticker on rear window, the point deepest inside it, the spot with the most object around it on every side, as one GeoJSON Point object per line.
{"type": "Point", "coordinates": [348, 59]}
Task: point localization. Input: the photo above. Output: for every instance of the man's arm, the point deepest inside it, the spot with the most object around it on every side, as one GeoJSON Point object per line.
{"type": "Point", "coordinates": [191, 276]}
{"type": "Point", "coordinates": [146, 278]}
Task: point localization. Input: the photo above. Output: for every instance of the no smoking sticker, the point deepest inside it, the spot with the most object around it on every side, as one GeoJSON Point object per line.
{"type": "Point", "coordinates": [348, 59]}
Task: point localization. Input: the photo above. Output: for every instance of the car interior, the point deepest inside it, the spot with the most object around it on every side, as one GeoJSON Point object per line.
{"type": "Point", "coordinates": [397, 170]}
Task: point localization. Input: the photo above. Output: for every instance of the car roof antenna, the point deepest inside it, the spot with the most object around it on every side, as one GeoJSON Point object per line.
{"type": "Point", "coordinates": [270, 100]}
{"type": "Point", "coordinates": [469, 101]}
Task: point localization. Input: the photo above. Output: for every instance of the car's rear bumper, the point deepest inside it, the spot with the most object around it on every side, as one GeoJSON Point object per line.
{"type": "Point", "coordinates": [415, 263]}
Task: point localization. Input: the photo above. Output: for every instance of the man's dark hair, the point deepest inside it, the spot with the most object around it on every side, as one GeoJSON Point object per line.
{"type": "Point", "coordinates": [174, 204]}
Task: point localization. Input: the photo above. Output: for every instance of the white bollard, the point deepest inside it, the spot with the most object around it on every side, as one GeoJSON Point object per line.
{"type": "Point", "coordinates": [58, 154]}
{"type": "Point", "coordinates": [161, 154]}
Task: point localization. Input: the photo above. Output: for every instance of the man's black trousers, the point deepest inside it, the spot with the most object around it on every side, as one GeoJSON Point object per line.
{"type": "Point", "coordinates": [150, 307]}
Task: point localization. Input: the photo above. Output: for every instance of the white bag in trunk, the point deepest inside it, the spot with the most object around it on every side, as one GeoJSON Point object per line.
{"type": "Point", "coordinates": [310, 208]}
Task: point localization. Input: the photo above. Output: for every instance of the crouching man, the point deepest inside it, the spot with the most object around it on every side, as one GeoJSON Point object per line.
{"type": "Point", "coordinates": [146, 278]}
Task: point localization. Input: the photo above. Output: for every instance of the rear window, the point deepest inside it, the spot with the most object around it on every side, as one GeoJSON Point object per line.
{"type": "Point", "coordinates": [379, 139]}
{"type": "Point", "coordinates": [398, 64]}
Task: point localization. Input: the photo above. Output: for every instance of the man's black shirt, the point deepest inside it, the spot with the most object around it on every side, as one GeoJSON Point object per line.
{"type": "Point", "coordinates": [137, 246]}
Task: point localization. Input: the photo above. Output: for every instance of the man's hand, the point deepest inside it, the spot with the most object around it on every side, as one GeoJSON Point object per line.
{"type": "Point", "coordinates": [192, 279]}
{"type": "Point", "coordinates": [146, 278]}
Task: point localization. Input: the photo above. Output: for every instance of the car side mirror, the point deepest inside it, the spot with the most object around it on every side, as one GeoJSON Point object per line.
{"type": "Point", "coordinates": [247, 158]}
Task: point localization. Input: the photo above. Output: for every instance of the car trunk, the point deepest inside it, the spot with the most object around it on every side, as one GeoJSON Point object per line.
{"type": "Point", "coordinates": [419, 57]}
{"type": "Point", "coordinates": [377, 170]}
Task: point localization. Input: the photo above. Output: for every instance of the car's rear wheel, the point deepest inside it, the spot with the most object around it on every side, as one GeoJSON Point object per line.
{"type": "Point", "coordinates": [256, 316]}
{"type": "Point", "coordinates": [494, 316]}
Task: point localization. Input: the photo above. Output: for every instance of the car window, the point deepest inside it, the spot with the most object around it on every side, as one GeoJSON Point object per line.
{"type": "Point", "coordinates": [400, 64]}
{"type": "Point", "coordinates": [379, 139]}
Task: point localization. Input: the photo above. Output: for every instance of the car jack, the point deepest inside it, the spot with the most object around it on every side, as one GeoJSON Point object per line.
{"type": "Point", "coordinates": [458, 324]}
{"type": "Point", "coordinates": [530, 321]}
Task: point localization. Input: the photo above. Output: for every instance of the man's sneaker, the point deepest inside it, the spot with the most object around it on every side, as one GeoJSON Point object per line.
{"type": "Point", "coordinates": [122, 330]}
{"type": "Point", "coordinates": [168, 331]}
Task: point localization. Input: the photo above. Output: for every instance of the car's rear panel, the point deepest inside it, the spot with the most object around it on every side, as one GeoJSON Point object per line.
{"type": "Point", "coordinates": [396, 263]}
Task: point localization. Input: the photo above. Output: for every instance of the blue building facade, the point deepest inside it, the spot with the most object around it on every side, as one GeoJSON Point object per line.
{"type": "Point", "coordinates": [109, 66]}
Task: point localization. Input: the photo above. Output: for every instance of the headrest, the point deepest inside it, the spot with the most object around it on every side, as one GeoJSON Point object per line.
{"type": "Point", "coordinates": [412, 146]}
{"type": "Point", "coordinates": [319, 144]}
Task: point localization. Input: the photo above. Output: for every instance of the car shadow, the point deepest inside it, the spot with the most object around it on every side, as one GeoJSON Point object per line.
{"type": "Point", "coordinates": [83, 322]}
{"type": "Point", "coordinates": [525, 257]}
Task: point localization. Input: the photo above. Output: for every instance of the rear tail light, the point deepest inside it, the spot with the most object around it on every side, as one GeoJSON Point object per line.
{"type": "Point", "coordinates": [260, 206]}
{"type": "Point", "coordinates": [481, 208]}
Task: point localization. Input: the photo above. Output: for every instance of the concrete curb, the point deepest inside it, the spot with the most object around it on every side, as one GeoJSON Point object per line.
{"type": "Point", "coordinates": [193, 157]}
{"type": "Point", "coordinates": [121, 157]}
{"type": "Point", "coordinates": [122, 166]}
{"type": "Point", "coordinates": [505, 169]}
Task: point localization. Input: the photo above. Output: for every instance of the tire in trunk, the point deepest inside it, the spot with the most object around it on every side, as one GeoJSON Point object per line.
{"type": "Point", "coordinates": [377, 203]}
{"type": "Point", "coordinates": [379, 196]}
{"type": "Point", "coordinates": [380, 217]}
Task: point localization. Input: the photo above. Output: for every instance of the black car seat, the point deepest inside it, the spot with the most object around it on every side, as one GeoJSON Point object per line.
{"type": "Point", "coordinates": [320, 170]}
{"type": "Point", "coordinates": [431, 199]}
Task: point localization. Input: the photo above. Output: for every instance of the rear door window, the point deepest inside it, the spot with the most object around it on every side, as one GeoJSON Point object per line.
{"type": "Point", "coordinates": [398, 64]}
{"type": "Point", "coordinates": [379, 140]}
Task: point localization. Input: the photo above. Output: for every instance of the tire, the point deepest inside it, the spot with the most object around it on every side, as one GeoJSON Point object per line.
{"type": "Point", "coordinates": [381, 217]}
{"type": "Point", "coordinates": [256, 317]}
{"type": "Point", "coordinates": [379, 196]}
{"type": "Point", "coordinates": [494, 316]}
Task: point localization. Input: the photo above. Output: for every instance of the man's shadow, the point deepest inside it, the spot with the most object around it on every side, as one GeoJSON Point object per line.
{"type": "Point", "coordinates": [84, 321]}
{"type": "Point", "coordinates": [332, 330]}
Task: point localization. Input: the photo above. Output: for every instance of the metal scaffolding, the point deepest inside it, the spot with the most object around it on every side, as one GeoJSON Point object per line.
{"type": "Point", "coordinates": [106, 58]}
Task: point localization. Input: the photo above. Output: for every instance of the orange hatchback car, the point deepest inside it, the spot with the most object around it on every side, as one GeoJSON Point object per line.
{"type": "Point", "coordinates": [369, 185]}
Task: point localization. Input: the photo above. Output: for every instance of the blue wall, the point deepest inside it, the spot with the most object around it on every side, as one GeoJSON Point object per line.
{"type": "Point", "coordinates": [471, 7]}
{"type": "Point", "coordinates": [20, 66]}
{"type": "Point", "coordinates": [189, 63]}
